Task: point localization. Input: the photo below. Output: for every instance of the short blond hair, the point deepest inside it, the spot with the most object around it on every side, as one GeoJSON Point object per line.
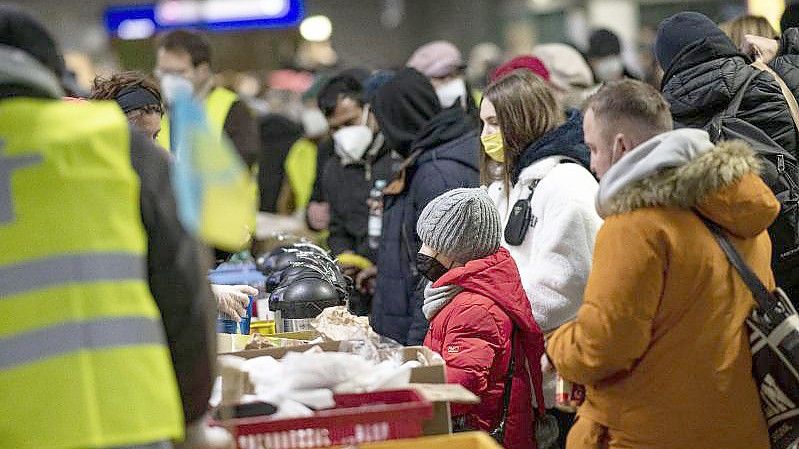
{"type": "Point", "coordinates": [631, 104]}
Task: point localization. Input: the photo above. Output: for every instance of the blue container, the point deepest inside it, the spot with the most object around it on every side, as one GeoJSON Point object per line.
{"type": "Point", "coordinates": [235, 273]}
{"type": "Point", "coordinates": [225, 325]}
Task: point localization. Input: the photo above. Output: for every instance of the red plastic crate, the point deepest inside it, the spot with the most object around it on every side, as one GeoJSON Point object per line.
{"type": "Point", "coordinates": [356, 418]}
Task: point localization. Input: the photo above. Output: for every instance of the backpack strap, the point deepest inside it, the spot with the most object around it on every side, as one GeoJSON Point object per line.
{"type": "Point", "coordinates": [735, 103]}
{"type": "Point", "coordinates": [786, 92]}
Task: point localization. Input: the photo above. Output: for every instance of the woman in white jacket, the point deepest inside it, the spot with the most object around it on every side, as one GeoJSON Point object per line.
{"type": "Point", "coordinates": [536, 163]}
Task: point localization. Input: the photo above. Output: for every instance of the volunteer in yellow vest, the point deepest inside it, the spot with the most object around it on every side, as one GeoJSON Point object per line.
{"type": "Point", "coordinates": [84, 352]}
{"type": "Point", "coordinates": [188, 54]}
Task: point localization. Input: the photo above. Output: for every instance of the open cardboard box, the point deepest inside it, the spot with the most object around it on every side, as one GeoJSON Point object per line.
{"type": "Point", "coordinates": [229, 343]}
{"type": "Point", "coordinates": [429, 380]}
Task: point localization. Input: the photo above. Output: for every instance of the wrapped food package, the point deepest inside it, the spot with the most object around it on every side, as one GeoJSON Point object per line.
{"type": "Point", "coordinates": [259, 341]}
{"type": "Point", "coordinates": [338, 324]}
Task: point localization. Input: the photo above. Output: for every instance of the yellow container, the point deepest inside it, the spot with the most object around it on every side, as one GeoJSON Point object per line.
{"type": "Point", "coordinates": [465, 440]}
{"type": "Point", "coordinates": [298, 335]}
{"type": "Point", "coordinates": [262, 327]}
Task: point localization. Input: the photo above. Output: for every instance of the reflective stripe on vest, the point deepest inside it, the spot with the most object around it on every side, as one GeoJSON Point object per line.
{"type": "Point", "coordinates": [64, 338]}
{"type": "Point", "coordinates": [82, 344]}
{"type": "Point", "coordinates": [74, 268]}
{"type": "Point", "coordinates": [217, 107]}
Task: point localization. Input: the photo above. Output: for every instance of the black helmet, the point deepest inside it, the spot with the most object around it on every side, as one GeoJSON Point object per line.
{"type": "Point", "coordinates": [276, 265]}
{"type": "Point", "coordinates": [295, 270]}
{"type": "Point", "coordinates": [262, 259]}
{"type": "Point", "coordinates": [277, 260]}
{"type": "Point", "coordinates": [305, 297]}
{"type": "Point", "coordinates": [310, 247]}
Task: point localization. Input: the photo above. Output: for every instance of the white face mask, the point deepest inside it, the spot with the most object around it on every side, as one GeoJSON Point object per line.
{"type": "Point", "coordinates": [351, 142]}
{"type": "Point", "coordinates": [314, 122]}
{"type": "Point", "coordinates": [173, 86]}
{"type": "Point", "coordinates": [609, 68]}
{"type": "Point", "coordinates": [452, 92]}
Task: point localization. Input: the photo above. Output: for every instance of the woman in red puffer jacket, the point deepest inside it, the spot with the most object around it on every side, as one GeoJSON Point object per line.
{"type": "Point", "coordinates": [477, 309]}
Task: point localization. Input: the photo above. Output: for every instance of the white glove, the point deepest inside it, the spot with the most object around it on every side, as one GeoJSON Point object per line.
{"type": "Point", "coordinates": [232, 300]}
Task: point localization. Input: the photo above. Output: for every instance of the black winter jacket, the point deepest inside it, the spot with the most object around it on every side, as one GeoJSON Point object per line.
{"type": "Point", "coordinates": [346, 188]}
{"type": "Point", "coordinates": [705, 77]}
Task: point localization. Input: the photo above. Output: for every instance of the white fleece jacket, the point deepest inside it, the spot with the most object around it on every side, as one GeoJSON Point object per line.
{"type": "Point", "coordinates": [555, 258]}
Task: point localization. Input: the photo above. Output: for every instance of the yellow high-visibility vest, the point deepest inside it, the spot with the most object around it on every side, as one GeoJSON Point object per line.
{"type": "Point", "coordinates": [217, 106]}
{"type": "Point", "coordinates": [83, 357]}
{"type": "Point", "coordinates": [300, 167]}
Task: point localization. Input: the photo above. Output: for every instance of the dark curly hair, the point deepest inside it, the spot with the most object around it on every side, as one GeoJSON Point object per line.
{"type": "Point", "coordinates": [107, 88]}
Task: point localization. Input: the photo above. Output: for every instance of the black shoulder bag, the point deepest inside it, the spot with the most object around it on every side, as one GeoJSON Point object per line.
{"type": "Point", "coordinates": [774, 339]}
{"type": "Point", "coordinates": [521, 216]}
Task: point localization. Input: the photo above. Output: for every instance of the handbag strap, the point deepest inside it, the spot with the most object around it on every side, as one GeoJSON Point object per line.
{"type": "Point", "coordinates": [762, 296]}
{"type": "Point", "coordinates": [786, 92]}
{"type": "Point", "coordinates": [507, 389]}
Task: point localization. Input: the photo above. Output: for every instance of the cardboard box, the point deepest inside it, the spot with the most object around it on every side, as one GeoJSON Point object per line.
{"type": "Point", "coordinates": [430, 380]}
{"type": "Point", "coordinates": [226, 343]}
{"type": "Point", "coordinates": [234, 343]}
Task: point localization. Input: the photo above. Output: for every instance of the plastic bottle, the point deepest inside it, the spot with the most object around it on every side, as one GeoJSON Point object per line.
{"type": "Point", "coordinates": [375, 224]}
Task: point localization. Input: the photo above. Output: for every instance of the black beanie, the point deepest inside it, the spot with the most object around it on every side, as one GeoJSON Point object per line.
{"type": "Point", "coordinates": [681, 30]}
{"type": "Point", "coordinates": [603, 42]}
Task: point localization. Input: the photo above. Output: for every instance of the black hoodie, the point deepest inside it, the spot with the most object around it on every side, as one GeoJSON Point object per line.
{"type": "Point", "coordinates": [403, 106]}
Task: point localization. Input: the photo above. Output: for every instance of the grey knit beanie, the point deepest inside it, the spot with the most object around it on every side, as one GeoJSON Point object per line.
{"type": "Point", "coordinates": [462, 224]}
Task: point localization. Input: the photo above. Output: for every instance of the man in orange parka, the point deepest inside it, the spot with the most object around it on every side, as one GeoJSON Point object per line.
{"type": "Point", "coordinates": [660, 341]}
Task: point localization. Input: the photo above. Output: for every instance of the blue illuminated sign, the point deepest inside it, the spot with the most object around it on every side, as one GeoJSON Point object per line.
{"type": "Point", "coordinates": [143, 21]}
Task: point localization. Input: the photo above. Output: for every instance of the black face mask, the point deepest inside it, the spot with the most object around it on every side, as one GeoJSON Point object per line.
{"type": "Point", "coordinates": [429, 267]}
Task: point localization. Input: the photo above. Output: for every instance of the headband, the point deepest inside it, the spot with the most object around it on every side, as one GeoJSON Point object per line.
{"type": "Point", "coordinates": [136, 97]}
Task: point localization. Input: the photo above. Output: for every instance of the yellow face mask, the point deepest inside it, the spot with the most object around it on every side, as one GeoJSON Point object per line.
{"type": "Point", "coordinates": [494, 146]}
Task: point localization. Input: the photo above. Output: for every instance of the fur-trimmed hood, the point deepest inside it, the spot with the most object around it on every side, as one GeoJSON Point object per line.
{"type": "Point", "coordinates": [682, 168]}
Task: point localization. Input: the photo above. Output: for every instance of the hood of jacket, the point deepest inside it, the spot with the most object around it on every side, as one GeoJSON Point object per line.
{"type": "Point", "coordinates": [565, 140]}
{"type": "Point", "coordinates": [703, 78]}
{"type": "Point", "coordinates": [682, 168]}
{"type": "Point", "coordinates": [495, 277]}
{"type": "Point", "coordinates": [404, 106]}
{"type": "Point", "coordinates": [463, 149]}
{"type": "Point", "coordinates": [445, 126]}
{"type": "Point", "coordinates": [21, 73]}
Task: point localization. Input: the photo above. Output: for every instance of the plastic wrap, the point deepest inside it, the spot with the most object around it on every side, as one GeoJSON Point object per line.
{"type": "Point", "coordinates": [356, 335]}
{"type": "Point", "coordinates": [338, 324]}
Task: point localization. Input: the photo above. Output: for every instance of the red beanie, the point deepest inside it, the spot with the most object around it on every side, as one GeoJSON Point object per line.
{"type": "Point", "coordinates": [530, 63]}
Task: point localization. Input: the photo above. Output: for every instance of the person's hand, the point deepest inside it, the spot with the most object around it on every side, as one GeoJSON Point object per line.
{"type": "Point", "coordinates": [365, 280]}
{"type": "Point", "coordinates": [761, 48]}
{"type": "Point", "coordinates": [350, 270]}
{"type": "Point", "coordinates": [352, 264]}
{"type": "Point", "coordinates": [318, 215]}
{"type": "Point", "coordinates": [232, 300]}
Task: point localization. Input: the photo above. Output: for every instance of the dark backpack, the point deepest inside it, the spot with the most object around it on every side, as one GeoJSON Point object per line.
{"type": "Point", "coordinates": [780, 172]}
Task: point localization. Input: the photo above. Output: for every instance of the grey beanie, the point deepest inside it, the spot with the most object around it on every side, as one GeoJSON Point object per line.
{"type": "Point", "coordinates": [462, 224]}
